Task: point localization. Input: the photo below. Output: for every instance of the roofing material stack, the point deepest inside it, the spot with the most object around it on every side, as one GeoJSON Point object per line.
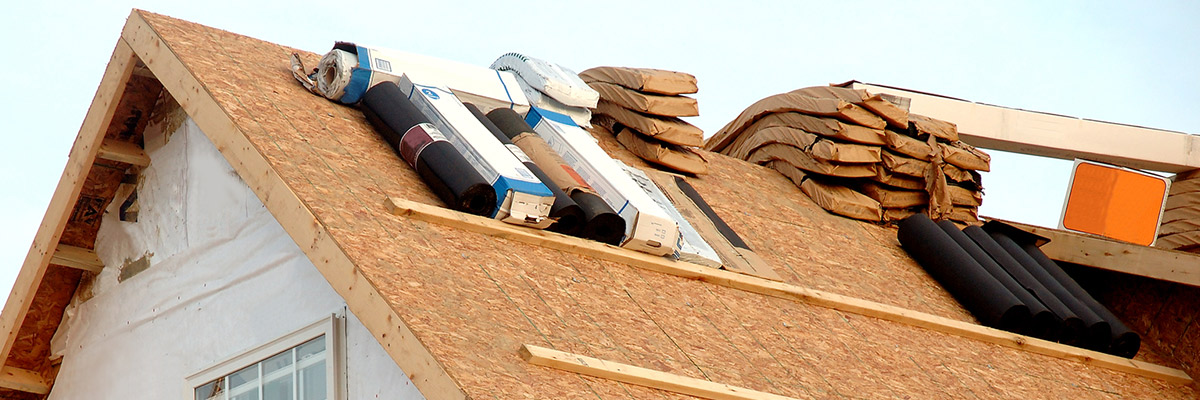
{"type": "Point", "coordinates": [642, 106]}
{"type": "Point", "coordinates": [859, 155]}
{"type": "Point", "coordinates": [1180, 229]}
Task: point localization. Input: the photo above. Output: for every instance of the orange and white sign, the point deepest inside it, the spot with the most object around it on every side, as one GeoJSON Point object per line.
{"type": "Point", "coordinates": [1114, 202]}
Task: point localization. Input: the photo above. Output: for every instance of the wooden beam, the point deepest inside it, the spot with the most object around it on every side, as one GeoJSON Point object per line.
{"type": "Point", "coordinates": [782, 290]}
{"type": "Point", "coordinates": [1098, 252]}
{"type": "Point", "coordinates": [360, 294]}
{"type": "Point", "coordinates": [630, 374]}
{"type": "Point", "coordinates": [23, 380]}
{"type": "Point", "coordinates": [1057, 136]}
{"type": "Point", "coordinates": [79, 163]}
{"type": "Point", "coordinates": [77, 257]}
{"type": "Point", "coordinates": [116, 150]}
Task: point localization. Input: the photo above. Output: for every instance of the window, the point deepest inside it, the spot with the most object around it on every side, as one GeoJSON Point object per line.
{"type": "Point", "coordinates": [300, 366]}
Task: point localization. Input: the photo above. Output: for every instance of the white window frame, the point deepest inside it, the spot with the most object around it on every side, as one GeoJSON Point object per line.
{"type": "Point", "coordinates": [331, 327]}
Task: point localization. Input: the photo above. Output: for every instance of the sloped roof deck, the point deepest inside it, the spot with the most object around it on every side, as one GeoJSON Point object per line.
{"type": "Point", "coordinates": [453, 306]}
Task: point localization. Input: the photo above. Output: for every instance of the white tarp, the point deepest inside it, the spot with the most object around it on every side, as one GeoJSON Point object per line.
{"type": "Point", "coordinates": [223, 278]}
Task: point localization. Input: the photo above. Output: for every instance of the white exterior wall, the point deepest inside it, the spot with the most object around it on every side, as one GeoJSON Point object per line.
{"type": "Point", "coordinates": [224, 278]}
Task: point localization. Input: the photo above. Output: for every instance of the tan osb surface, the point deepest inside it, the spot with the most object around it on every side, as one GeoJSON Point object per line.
{"type": "Point", "coordinates": [474, 299]}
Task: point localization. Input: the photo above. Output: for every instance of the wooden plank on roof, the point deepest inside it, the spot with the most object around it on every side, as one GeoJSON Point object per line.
{"type": "Point", "coordinates": [23, 380]}
{"type": "Point", "coordinates": [116, 150]}
{"type": "Point", "coordinates": [361, 296]}
{"type": "Point", "coordinates": [630, 374]}
{"type": "Point", "coordinates": [1112, 255]}
{"type": "Point", "coordinates": [77, 257]}
{"type": "Point", "coordinates": [83, 154]}
{"type": "Point", "coordinates": [1057, 136]}
{"type": "Point", "coordinates": [474, 223]}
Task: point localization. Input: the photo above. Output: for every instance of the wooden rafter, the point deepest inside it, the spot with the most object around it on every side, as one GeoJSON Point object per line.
{"type": "Point", "coordinates": [1113, 255]}
{"type": "Point", "coordinates": [635, 375]}
{"type": "Point", "coordinates": [782, 290]}
{"type": "Point", "coordinates": [116, 150]}
{"type": "Point", "coordinates": [23, 380]}
{"type": "Point", "coordinates": [77, 257]}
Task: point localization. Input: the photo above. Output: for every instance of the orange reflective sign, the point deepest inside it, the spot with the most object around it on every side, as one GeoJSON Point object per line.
{"type": "Point", "coordinates": [1114, 202]}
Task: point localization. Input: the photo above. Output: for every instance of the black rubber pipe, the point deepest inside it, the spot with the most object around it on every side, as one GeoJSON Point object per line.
{"type": "Point", "coordinates": [1124, 341]}
{"type": "Point", "coordinates": [408, 131]}
{"type": "Point", "coordinates": [601, 223]}
{"type": "Point", "coordinates": [1072, 326]}
{"type": "Point", "coordinates": [567, 215]}
{"type": "Point", "coordinates": [1044, 324]}
{"type": "Point", "coordinates": [964, 278]}
{"type": "Point", "coordinates": [1097, 334]}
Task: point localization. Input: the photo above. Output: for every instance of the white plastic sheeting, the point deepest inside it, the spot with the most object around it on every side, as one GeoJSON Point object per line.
{"type": "Point", "coordinates": [224, 278]}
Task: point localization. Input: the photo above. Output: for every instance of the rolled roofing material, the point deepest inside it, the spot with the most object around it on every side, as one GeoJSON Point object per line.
{"type": "Point", "coordinates": [735, 253]}
{"type": "Point", "coordinates": [692, 247]}
{"type": "Point", "coordinates": [1044, 324]}
{"type": "Point", "coordinates": [1097, 333]}
{"type": "Point", "coordinates": [957, 271]}
{"type": "Point", "coordinates": [668, 129]}
{"type": "Point", "coordinates": [644, 79]}
{"type": "Point", "coordinates": [556, 81]}
{"type": "Point", "coordinates": [601, 223]}
{"type": "Point", "coordinates": [565, 216]}
{"type": "Point", "coordinates": [649, 103]}
{"type": "Point", "coordinates": [1125, 342]}
{"type": "Point", "coordinates": [1073, 326]}
{"type": "Point", "coordinates": [419, 143]}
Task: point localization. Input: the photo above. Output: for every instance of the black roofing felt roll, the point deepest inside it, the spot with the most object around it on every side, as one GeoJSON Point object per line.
{"type": "Point", "coordinates": [1125, 342]}
{"type": "Point", "coordinates": [1097, 334]}
{"type": "Point", "coordinates": [964, 278]}
{"type": "Point", "coordinates": [601, 223]}
{"type": "Point", "coordinates": [568, 217]}
{"type": "Point", "coordinates": [1044, 324]}
{"type": "Point", "coordinates": [1072, 327]}
{"type": "Point", "coordinates": [418, 142]}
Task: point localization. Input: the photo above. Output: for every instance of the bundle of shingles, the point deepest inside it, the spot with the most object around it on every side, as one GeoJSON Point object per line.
{"type": "Point", "coordinates": [642, 106]}
{"type": "Point", "coordinates": [1180, 228]}
{"type": "Point", "coordinates": [860, 155]}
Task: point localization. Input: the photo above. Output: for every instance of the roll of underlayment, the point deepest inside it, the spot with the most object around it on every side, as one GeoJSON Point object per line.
{"type": "Point", "coordinates": [1044, 324]}
{"type": "Point", "coordinates": [567, 216]}
{"type": "Point", "coordinates": [601, 223]}
{"type": "Point", "coordinates": [964, 278]}
{"type": "Point", "coordinates": [1072, 328]}
{"type": "Point", "coordinates": [1125, 342]}
{"type": "Point", "coordinates": [1097, 333]}
{"type": "Point", "coordinates": [419, 143]}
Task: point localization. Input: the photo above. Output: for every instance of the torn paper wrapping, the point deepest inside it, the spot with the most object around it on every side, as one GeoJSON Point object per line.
{"type": "Point", "coordinates": [556, 81]}
{"type": "Point", "coordinates": [644, 79]}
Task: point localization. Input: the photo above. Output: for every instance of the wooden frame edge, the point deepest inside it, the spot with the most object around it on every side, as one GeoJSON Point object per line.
{"type": "Point", "coordinates": [473, 223]}
{"type": "Point", "coordinates": [361, 296]}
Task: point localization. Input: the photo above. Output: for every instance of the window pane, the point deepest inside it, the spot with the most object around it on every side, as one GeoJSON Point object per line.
{"type": "Point", "coordinates": [211, 390]}
{"type": "Point", "coordinates": [251, 395]}
{"type": "Point", "coordinates": [279, 389]}
{"type": "Point", "coordinates": [312, 382]}
{"type": "Point", "coordinates": [248, 375]}
{"type": "Point", "coordinates": [279, 361]}
{"type": "Point", "coordinates": [311, 348]}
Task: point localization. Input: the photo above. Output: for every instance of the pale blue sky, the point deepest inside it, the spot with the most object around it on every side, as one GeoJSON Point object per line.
{"type": "Point", "coordinates": [1130, 62]}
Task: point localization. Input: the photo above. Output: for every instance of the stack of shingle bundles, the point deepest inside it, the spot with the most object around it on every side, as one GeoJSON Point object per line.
{"type": "Point", "coordinates": [859, 155]}
{"type": "Point", "coordinates": [642, 106]}
{"type": "Point", "coordinates": [1180, 228]}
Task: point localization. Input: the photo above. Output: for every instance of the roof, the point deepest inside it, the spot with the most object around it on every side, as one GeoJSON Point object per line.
{"type": "Point", "coordinates": [453, 298]}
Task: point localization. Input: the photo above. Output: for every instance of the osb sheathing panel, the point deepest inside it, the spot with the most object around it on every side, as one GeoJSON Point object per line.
{"type": "Point", "coordinates": [6, 394]}
{"type": "Point", "coordinates": [474, 299]}
{"type": "Point", "coordinates": [31, 350]}
{"type": "Point", "coordinates": [1165, 313]}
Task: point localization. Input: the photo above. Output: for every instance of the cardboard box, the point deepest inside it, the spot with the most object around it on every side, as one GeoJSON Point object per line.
{"type": "Point", "coordinates": [521, 198]}
{"type": "Point", "coordinates": [486, 88]}
{"type": "Point", "coordinates": [692, 247]}
{"type": "Point", "coordinates": [647, 227]}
